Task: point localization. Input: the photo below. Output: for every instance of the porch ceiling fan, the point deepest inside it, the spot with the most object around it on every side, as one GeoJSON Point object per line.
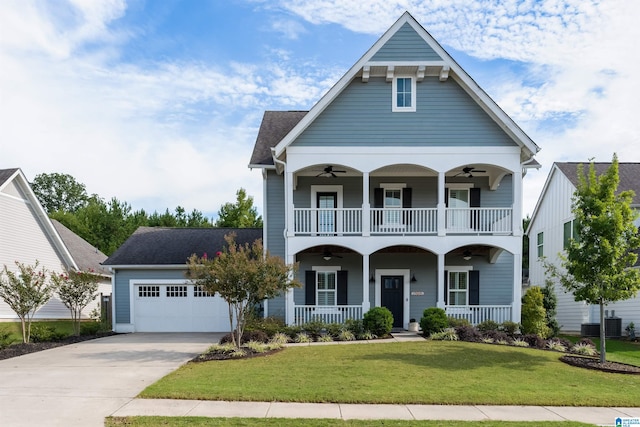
{"type": "Point", "coordinates": [468, 170]}
{"type": "Point", "coordinates": [467, 255]}
{"type": "Point", "coordinates": [327, 255]}
{"type": "Point", "coordinates": [329, 171]}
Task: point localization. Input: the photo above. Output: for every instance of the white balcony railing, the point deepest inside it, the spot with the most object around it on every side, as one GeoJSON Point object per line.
{"type": "Point", "coordinates": [479, 220]}
{"type": "Point", "coordinates": [326, 313]}
{"type": "Point", "coordinates": [310, 221]}
{"type": "Point", "coordinates": [476, 314]}
{"type": "Point", "coordinates": [404, 221]}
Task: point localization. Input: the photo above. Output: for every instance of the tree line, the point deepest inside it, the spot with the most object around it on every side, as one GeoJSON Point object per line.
{"type": "Point", "coordinates": [106, 224]}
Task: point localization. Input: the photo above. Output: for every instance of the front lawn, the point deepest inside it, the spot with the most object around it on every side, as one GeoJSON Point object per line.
{"type": "Point", "coordinates": [618, 350]}
{"type": "Point", "coordinates": [430, 372]}
{"type": "Point", "coordinates": [282, 422]}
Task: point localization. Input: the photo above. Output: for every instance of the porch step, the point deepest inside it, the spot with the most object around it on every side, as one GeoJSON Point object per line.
{"type": "Point", "coordinates": [402, 335]}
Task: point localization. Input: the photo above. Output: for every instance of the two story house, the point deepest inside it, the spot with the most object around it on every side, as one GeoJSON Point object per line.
{"type": "Point", "coordinates": [550, 230]}
{"type": "Point", "coordinates": [401, 187]}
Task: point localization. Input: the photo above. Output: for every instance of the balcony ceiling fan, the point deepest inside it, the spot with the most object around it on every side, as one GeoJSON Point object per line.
{"type": "Point", "coordinates": [467, 171]}
{"type": "Point", "coordinates": [329, 171]}
{"type": "Point", "coordinates": [327, 255]}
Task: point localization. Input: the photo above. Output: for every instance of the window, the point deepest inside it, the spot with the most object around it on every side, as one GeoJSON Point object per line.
{"type": "Point", "coordinates": [404, 90]}
{"type": "Point", "coordinates": [570, 232]}
{"type": "Point", "coordinates": [199, 292]}
{"type": "Point", "coordinates": [458, 288]}
{"type": "Point", "coordinates": [176, 291]}
{"type": "Point", "coordinates": [540, 245]}
{"type": "Point", "coordinates": [152, 291]}
{"type": "Point", "coordinates": [392, 200]}
{"type": "Point", "coordinates": [326, 287]}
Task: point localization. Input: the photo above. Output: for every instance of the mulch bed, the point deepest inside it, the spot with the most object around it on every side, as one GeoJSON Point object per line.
{"type": "Point", "coordinates": [593, 363]}
{"type": "Point", "coordinates": [20, 349]}
{"type": "Point", "coordinates": [219, 355]}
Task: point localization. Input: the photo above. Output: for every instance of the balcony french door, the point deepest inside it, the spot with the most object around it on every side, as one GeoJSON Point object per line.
{"type": "Point", "coordinates": [327, 204]}
{"type": "Point", "coordinates": [458, 199]}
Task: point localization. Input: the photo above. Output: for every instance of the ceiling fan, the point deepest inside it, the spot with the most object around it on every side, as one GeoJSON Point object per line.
{"type": "Point", "coordinates": [327, 255]}
{"type": "Point", "coordinates": [329, 171]}
{"type": "Point", "coordinates": [467, 254]}
{"type": "Point", "coordinates": [467, 171]}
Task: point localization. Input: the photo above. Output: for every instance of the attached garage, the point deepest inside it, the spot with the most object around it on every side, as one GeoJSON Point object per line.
{"type": "Point", "coordinates": [151, 289]}
{"type": "Point", "coordinates": [177, 307]}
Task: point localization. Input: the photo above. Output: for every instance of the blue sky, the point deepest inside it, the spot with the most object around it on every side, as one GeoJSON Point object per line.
{"type": "Point", "coordinates": [158, 103]}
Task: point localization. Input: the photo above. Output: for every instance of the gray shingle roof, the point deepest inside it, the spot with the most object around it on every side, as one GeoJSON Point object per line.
{"type": "Point", "coordinates": [173, 246]}
{"type": "Point", "coordinates": [629, 175]}
{"type": "Point", "coordinates": [84, 254]}
{"type": "Point", "coordinates": [275, 126]}
{"type": "Point", "coordinates": [5, 174]}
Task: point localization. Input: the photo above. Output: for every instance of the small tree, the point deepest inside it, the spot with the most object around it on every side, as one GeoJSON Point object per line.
{"type": "Point", "coordinates": [241, 214]}
{"type": "Point", "coordinates": [533, 313]}
{"type": "Point", "coordinates": [76, 289]}
{"type": "Point", "coordinates": [25, 292]}
{"type": "Point", "coordinates": [550, 303]}
{"type": "Point", "coordinates": [243, 275]}
{"type": "Point", "coordinates": [597, 266]}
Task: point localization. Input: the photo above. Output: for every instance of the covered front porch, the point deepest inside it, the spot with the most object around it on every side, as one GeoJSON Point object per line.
{"type": "Point", "coordinates": [473, 282]}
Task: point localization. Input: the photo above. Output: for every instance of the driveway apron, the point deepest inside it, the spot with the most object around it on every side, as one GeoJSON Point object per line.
{"type": "Point", "coordinates": [80, 384]}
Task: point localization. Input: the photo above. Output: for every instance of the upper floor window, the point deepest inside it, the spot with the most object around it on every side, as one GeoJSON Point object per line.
{"type": "Point", "coordinates": [404, 94]}
{"type": "Point", "coordinates": [571, 232]}
{"type": "Point", "coordinates": [540, 245]}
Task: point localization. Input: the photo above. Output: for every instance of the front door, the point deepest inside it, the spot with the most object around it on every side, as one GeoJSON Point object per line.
{"type": "Point", "coordinates": [327, 203]}
{"type": "Point", "coordinates": [392, 297]}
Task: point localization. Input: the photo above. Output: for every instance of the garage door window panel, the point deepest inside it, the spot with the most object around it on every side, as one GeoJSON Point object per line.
{"type": "Point", "coordinates": [148, 291]}
{"type": "Point", "coordinates": [176, 291]}
{"type": "Point", "coordinates": [200, 292]}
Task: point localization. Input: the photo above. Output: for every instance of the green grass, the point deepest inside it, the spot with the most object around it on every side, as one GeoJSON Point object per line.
{"type": "Point", "coordinates": [617, 350]}
{"type": "Point", "coordinates": [430, 372]}
{"type": "Point", "coordinates": [282, 422]}
{"type": "Point", "coordinates": [15, 328]}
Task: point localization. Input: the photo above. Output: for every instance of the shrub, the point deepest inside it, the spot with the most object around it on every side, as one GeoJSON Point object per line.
{"type": "Point", "coordinates": [487, 325]}
{"type": "Point", "coordinates": [346, 335]}
{"type": "Point", "coordinates": [556, 345]}
{"type": "Point", "coordinates": [314, 328]}
{"type": "Point", "coordinates": [535, 341]}
{"type": "Point", "coordinates": [366, 335]}
{"type": "Point", "coordinates": [584, 349]}
{"type": "Point", "coordinates": [247, 336]}
{"type": "Point", "coordinates": [269, 325]}
{"type": "Point", "coordinates": [495, 335]}
{"type": "Point", "coordinates": [256, 346]}
{"type": "Point", "coordinates": [455, 322]}
{"type": "Point", "coordinates": [550, 302]}
{"type": "Point", "coordinates": [279, 338]}
{"type": "Point", "coordinates": [448, 334]}
{"type": "Point", "coordinates": [302, 337]}
{"type": "Point", "coordinates": [5, 341]}
{"type": "Point", "coordinates": [510, 328]}
{"type": "Point", "coordinates": [533, 313]}
{"type": "Point", "coordinates": [325, 338]}
{"type": "Point", "coordinates": [434, 319]}
{"type": "Point", "coordinates": [355, 326]}
{"type": "Point", "coordinates": [586, 341]}
{"type": "Point", "coordinates": [378, 320]}
{"type": "Point", "coordinates": [334, 329]}
{"type": "Point", "coordinates": [487, 340]}
{"type": "Point", "coordinates": [90, 328]}
{"type": "Point", "coordinates": [468, 333]}
{"type": "Point", "coordinates": [519, 342]}
{"type": "Point", "coordinates": [292, 331]}
{"type": "Point", "coordinates": [41, 332]}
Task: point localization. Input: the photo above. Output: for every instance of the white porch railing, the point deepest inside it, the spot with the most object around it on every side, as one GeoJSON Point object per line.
{"type": "Point", "coordinates": [404, 221]}
{"type": "Point", "coordinates": [313, 221]}
{"type": "Point", "coordinates": [476, 314]}
{"type": "Point", "coordinates": [325, 313]}
{"type": "Point", "coordinates": [479, 220]}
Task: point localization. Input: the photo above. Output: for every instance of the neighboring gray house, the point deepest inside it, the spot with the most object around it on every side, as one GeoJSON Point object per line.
{"type": "Point", "coordinates": [151, 292]}
{"type": "Point", "coordinates": [552, 225]}
{"type": "Point", "coordinates": [27, 234]}
{"type": "Point", "coordinates": [401, 187]}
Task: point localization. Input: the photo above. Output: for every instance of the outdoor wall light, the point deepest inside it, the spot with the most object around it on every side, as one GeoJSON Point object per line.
{"type": "Point", "coordinates": [413, 278]}
{"type": "Point", "coordinates": [372, 279]}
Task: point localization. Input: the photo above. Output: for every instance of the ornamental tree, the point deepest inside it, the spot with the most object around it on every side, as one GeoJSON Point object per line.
{"type": "Point", "coordinates": [25, 291]}
{"type": "Point", "coordinates": [596, 268]}
{"type": "Point", "coordinates": [243, 275]}
{"type": "Point", "coordinates": [76, 289]}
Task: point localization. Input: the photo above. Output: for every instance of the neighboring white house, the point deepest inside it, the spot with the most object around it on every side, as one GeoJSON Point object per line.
{"type": "Point", "coordinates": [401, 187]}
{"type": "Point", "coordinates": [552, 225]}
{"type": "Point", "coordinates": [28, 235]}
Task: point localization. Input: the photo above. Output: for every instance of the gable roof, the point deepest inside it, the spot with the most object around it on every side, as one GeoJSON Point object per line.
{"type": "Point", "coordinates": [629, 180]}
{"type": "Point", "coordinates": [275, 126]}
{"type": "Point", "coordinates": [86, 256]}
{"type": "Point", "coordinates": [529, 148]}
{"type": "Point", "coordinates": [153, 246]}
{"type": "Point", "coordinates": [16, 176]}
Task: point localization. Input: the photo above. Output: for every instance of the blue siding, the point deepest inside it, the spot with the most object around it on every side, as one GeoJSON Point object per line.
{"type": "Point", "coordinates": [274, 217]}
{"type": "Point", "coordinates": [496, 280]}
{"type": "Point", "coordinates": [351, 190]}
{"type": "Point", "coordinates": [502, 197]}
{"type": "Point", "coordinates": [349, 262]}
{"type": "Point", "coordinates": [445, 116]}
{"type": "Point", "coordinates": [424, 190]}
{"type": "Point", "coordinates": [122, 291]}
{"type": "Point", "coordinates": [406, 45]}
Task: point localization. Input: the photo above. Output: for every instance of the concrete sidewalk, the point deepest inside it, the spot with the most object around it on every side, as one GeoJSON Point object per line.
{"type": "Point", "coordinates": [176, 408]}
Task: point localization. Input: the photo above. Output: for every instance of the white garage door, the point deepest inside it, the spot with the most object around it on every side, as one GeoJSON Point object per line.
{"type": "Point", "coordinates": [178, 308]}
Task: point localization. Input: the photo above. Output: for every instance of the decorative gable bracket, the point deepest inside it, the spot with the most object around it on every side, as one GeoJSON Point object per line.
{"type": "Point", "coordinates": [389, 70]}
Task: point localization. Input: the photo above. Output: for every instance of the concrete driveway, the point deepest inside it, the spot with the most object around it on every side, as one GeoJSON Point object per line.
{"type": "Point", "coordinates": [80, 384]}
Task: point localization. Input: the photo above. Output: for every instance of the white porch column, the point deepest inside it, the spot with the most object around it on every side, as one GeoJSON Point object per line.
{"type": "Point", "coordinates": [516, 304]}
{"type": "Point", "coordinates": [366, 209]}
{"type": "Point", "coordinates": [441, 289]}
{"type": "Point", "coordinates": [441, 205]}
{"type": "Point", "coordinates": [517, 204]}
{"type": "Point", "coordinates": [288, 192]}
{"type": "Point", "coordinates": [365, 283]}
{"type": "Point", "coordinates": [289, 302]}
